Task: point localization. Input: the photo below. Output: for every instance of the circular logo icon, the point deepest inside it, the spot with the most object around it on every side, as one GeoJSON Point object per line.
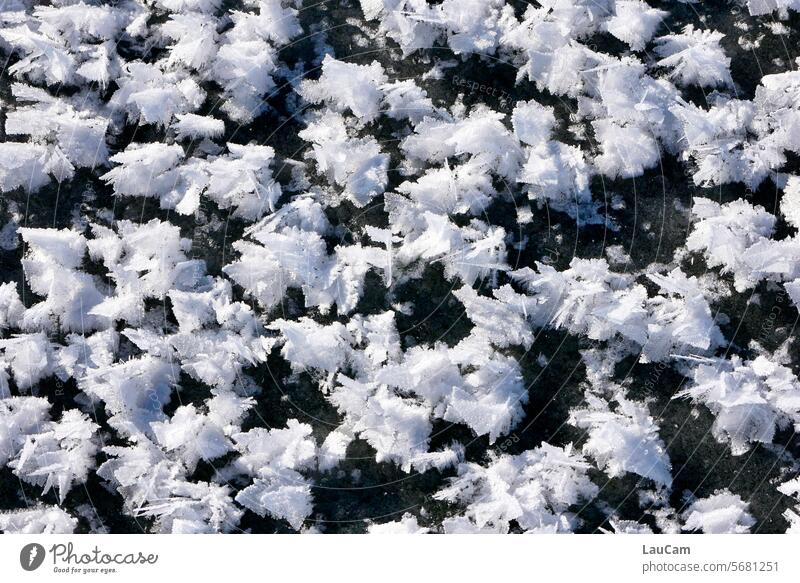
{"type": "Point", "coordinates": [31, 556]}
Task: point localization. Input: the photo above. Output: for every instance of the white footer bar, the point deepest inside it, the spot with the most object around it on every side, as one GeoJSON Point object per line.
{"type": "Point", "coordinates": [389, 558]}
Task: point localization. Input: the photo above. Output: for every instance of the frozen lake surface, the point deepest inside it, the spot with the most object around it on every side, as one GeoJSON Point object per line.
{"type": "Point", "coordinates": [460, 266]}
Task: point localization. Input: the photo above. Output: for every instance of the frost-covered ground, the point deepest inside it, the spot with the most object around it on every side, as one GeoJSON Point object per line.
{"type": "Point", "coordinates": [399, 266]}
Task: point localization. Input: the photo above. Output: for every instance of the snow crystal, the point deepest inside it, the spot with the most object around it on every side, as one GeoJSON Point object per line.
{"type": "Point", "coordinates": [406, 525]}
{"type": "Point", "coordinates": [750, 399]}
{"type": "Point", "coordinates": [535, 489]}
{"type": "Point", "coordinates": [40, 520]}
{"type": "Point", "coordinates": [720, 513]}
{"type": "Point", "coordinates": [635, 23]}
{"type": "Point", "coordinates": [695, 57]}
{"type": "Point", "coordinates": [348, 86]}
